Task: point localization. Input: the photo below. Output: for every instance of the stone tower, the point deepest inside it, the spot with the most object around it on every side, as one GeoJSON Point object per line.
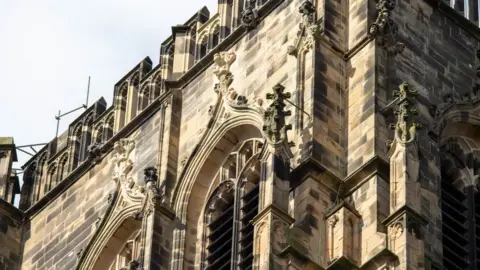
{"type": "Point", "coordinates": [273, 134]}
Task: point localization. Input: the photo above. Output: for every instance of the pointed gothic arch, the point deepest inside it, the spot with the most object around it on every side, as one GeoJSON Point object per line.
{"type": "Point", "coordinates": [216, 144]}
{"type": "Point", "coordinates": [129, 206]}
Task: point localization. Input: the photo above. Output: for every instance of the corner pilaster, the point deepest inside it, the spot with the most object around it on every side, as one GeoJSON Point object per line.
{"type": "Point", "coordinates": [273, 220]}
{"type": "Point", "coordinates": [405, 223]}
{"type": "Point", "coordinates": [156, 225]}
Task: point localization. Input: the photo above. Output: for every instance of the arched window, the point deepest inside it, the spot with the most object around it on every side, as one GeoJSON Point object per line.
{"type": "Point", "coordinates": [87, 136]}
{"type": "Point", "coordinates": [144, 98]}
{"type": "Point", "coordinates": [77, 146]}
{"type": "Point", "coordinates": [235, 200]}
{"type": "Point", "coordinates": [121, 105]}
{"type": "Point", "coordinates": [460, 209]}
{"type": "Point", "coordinates": [62, 169]}
{"type": "Point", "coordinates": [40, 176]}
{"type": "Point", "coordinates": [123, 249]}
{"type": "Point", "coordinates": [215, 36]}
{"type": "Point", "coordinates": [51, 178]}
{"type": "Point", "coordinates": [128, 253]}
{"type": "Point", "coordinates": [108, 132]}
{"type": "Point", "coordinates": [157, 87]}
{"type": "Point", "coordinates": [202, 48]}
{"type": "Point", "coordinates": [98, 134]}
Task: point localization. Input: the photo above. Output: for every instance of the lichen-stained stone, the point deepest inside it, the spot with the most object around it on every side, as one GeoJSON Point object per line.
{"type": "Point", "coordinates": [331, 186]}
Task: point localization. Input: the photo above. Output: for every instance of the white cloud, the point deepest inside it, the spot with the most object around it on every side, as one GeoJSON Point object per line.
{"type": "Point", "coordinates": [49, 48]}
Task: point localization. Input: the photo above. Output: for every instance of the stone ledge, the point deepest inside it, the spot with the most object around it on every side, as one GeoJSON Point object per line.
{"type": "Point", "coordinates": [341, 263]}
{"type": "Point", "coordinates": [12, 211]}
{"type": "Point", "coordinates": [311, 168]}
{"type": "Point", "coordinates": [385, 254]}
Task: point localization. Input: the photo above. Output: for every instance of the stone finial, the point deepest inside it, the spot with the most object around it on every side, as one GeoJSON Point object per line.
{"type": "Point", "coordinates": [275, 128]}
{"type": "Point", "coordinates": [384, 28]}
{"type": "Point", "coordinates": [249, 15]}
{"type": "Point", "coordinates": [406, 127]}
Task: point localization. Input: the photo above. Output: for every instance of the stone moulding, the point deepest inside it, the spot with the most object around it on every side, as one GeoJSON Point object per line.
{"type": "Point", "coordinates": [127, 201]}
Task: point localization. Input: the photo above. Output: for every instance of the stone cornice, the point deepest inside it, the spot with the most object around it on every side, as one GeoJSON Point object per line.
{"type": "Point", "coordinates": [11, 210]}
{"type": "Point", "coordinates": [106, 149]}
{"type": "Point", "coordinates": [312, 168]}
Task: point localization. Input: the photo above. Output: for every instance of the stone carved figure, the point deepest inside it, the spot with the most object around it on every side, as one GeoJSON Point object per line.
{"type": "Point", "coordinates": [152, 192]}
{"type": "Point", "coordinates": [121, 159]}
{"type": "Point", "coordinates": [308, 30]}
{"type": "Point", "coordinates": [94, 152]}
{"type": "Point", "coordinates": [384, 29]}
{"type": "Point", "coordinates": [279, 235]}
{"type": "Point", "coordinates": [249, 15]}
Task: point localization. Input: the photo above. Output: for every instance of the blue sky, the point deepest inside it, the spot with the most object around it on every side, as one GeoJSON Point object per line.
{"type": "Point", "coordinates": [49, 48]}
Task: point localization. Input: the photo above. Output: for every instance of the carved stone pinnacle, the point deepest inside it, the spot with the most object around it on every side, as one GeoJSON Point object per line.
{"type": "Point", "coordinates": [275, 127]}
{"type": "Point", "coordinates": [406, 127]}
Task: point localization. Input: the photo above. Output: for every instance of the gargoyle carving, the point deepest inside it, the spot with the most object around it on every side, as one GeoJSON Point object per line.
{"type": "Point", "coordinates": [249, 15]}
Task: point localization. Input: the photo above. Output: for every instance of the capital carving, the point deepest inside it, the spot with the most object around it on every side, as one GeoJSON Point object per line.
{"type": "Point", "coordinates": [275, 127]}
{"type": "Point", "coordinates": [406, 127]}
{"type": "Point", "coordinates": [308, 30]}
{"type": "Point", "coordinates": [384, 29]}
{"type": "Point", "coordinates": [333, 221]}
{"type": "Point", "coordinates": [249, 16]}
{"type": "Point", "coordinates": [121, 159]}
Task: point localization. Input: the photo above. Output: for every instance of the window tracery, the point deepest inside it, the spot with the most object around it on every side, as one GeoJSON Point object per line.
{"type": "Point", "coordinates": [77, 151]}
{"type": "Point", "coordinates": [39, 176]}
{"type": "Point", "coordinates": [158, 88]}
{"type": "Point", "coordinates": [98, 135]}
{"type": "Point", "coordinates": [215, 36]}
{"type": "Point", "coordinates": [460, 204]}
{"type": "Point", "coordinates": [230, 210]}
{"type": "Point", "coordinates": [108, 132]}
{"type": "Point", "coordinates": [62, 169]}
{"type": "Point", "coordinates": [87, 133]}
{"type": "Point", "coordinates": [202, 47]}
{"type": "Point", "coordinates": [144, 99]}
{"type": "Point", "coordinates": [51, 178]}
{"type": "Point", "coordinates": [122, 105]}
{"type": "Point", "coordinates": [127, 254]}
